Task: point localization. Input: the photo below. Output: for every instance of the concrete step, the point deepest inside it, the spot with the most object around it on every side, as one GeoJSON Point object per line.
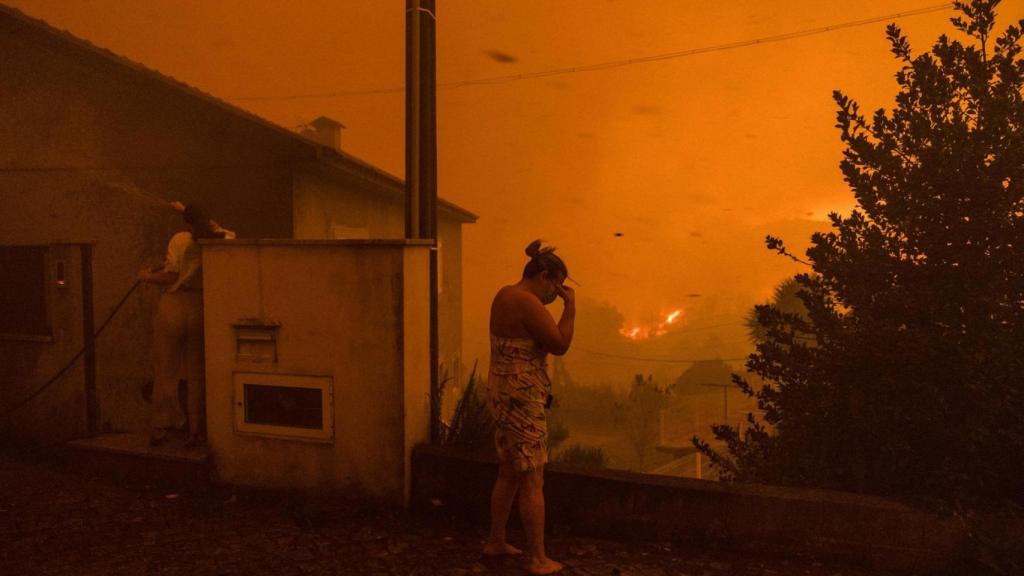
{"type": "Point", "coordinates": [129, 457]}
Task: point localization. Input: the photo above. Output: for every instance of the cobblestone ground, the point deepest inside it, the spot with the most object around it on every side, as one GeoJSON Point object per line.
{"type": "Point", "coordinates": [53, 521]}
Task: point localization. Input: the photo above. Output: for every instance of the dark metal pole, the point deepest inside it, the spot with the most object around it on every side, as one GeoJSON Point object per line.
{"type": "Point", "coordinates": [412, 119]}
{"type": "Point", "coordinates": [92, 405]}
{"type": "Point", "coordinates": [421, 162]}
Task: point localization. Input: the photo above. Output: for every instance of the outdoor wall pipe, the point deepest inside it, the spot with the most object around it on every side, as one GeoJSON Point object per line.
{"type": "Point", "coordinates": [92, 404]}
{"type": "Point", "coordinates": [421, 161]}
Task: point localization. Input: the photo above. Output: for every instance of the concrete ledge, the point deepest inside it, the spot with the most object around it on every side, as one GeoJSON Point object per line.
{"type": "Point", "coordinates": [872, 531]}
{"type": "Point", "coordinates": [130, 458]}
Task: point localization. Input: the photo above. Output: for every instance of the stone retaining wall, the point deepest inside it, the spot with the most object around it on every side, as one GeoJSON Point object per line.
{"type": "Point", "coordinates": [877, 532]}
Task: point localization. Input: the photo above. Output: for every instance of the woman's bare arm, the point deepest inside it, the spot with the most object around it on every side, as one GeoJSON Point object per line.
{"type": "Point", "coordinates": [553, 338]}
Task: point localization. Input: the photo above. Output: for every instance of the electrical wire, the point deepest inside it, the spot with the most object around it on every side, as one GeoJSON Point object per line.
{"type": "Point", "coordinates": [710, 327]}
{"type": "Point", "coordinates": [658, 360]}
{"type": "Point", "coordinates": [616, 63]}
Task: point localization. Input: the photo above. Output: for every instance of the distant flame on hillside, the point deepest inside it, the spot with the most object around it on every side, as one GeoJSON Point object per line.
{"type": "Point", "coordinates": [641, 332]}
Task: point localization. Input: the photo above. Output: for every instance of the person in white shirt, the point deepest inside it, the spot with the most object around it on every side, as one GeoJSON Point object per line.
{"type": "Point", "coordinates": [178, 328]}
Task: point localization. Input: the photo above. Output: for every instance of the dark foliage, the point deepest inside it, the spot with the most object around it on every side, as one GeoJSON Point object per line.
{"type": "Point", "coordinates": [786, 299]}
{"type": "Point", "coordinates": [904, 377]}
{"type": "Point", "coordinates": [582, 457]}
{"type": "Point", "coordinates": [643, 415]}
{"type": "Point", "coordinates": [471, 428]}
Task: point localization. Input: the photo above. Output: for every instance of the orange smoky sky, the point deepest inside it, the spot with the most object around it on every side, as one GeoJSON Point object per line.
{"type": "Point", "coordinates": [657, 181]}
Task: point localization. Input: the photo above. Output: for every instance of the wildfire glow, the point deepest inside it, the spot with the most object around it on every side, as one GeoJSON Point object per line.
{"type": "Point", "coordinates": [637, 332]}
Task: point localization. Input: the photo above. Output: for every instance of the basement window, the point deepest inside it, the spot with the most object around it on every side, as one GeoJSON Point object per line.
{"type": "Point", "coordinates": [284, 405]}
{"type": "Point", "coordinates": [23, 309]}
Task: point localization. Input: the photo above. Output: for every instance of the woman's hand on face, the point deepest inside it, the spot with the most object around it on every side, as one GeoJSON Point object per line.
{"type": "Point", "coordinates": [567, 294]}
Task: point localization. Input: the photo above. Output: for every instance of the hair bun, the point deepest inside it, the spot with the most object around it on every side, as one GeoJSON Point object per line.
{"type": "Point", "coordinates": [538, 248]}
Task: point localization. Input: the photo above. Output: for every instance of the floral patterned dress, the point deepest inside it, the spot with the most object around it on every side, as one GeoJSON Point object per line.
{"type": "Point", "coordinates": [517, 392]}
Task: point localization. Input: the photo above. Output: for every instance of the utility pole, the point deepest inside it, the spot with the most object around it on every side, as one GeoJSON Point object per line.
{"type": "Point", "coordinates": [421, 160]}
{"type": "Point", "coordinates": [725, 416]}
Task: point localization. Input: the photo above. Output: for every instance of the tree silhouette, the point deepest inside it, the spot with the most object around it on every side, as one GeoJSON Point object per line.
{"type": "Point", "coordinates": [905, 376]}
{"type": "Point", "coordinates": [643, 416]}
{"type": "Point", "coordinates": [786, 299]}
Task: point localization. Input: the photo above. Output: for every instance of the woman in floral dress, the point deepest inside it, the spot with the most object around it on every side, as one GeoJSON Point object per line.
{"type": "Point", "coordinates": [523, 333]}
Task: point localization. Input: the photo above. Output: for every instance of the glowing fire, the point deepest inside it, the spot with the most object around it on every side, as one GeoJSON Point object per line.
{"type": "Point", "coordinates": [638, 332]}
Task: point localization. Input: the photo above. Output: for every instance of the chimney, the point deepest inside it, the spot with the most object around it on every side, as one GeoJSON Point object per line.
{"type": "Point", "coordinates": [324, 131]}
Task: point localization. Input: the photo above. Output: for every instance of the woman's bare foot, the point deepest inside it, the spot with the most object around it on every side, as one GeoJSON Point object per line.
{"type": "Point", "coordinates": [543, 566]}
{"type": "Point", "coordinates": [500, 549]}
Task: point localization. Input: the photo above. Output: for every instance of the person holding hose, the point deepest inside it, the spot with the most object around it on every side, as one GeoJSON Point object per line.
{"type": "Point", "coordinates": [178, 328]}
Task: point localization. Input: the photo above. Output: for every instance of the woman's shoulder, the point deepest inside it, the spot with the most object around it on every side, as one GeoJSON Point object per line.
{"type": "Point", "coordinates": [183, 237]}
{"type": "Point", "coordinates": [180, 241]}
{"type": "Point", "coordinates": [506, 313]}
{"type": "Point", "coordinates": [510, 295]}
{"type": "Point", "coordinates": [513, 303]}
{"type": "Point", "coordinates": [507, 303]}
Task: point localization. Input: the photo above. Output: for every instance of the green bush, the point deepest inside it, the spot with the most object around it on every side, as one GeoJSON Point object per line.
{"type": "Point", "coordinates": [471, 427]}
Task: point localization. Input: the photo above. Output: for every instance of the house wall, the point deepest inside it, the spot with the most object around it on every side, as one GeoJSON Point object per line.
{"type": "Point", "coordinates": [322, 202]}
{"type": "Point", "coordinates": [58, 413]}
{"type": "Point", "coordinates": [353, 311]}
{"type": "Point", "coordinates": [450, 354]}
{"type": "Point", "coordinates": [90, 151]}
{"type": "Point", "coordinates": [93, 148]}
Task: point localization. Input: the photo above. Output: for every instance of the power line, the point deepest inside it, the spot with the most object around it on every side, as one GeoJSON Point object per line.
{"type": "Point", "coordinates": [617, 63]}
{"type": "Point", "coordinates": [664, 360]}
{"type": "Point", "coordinates": [710, 327]}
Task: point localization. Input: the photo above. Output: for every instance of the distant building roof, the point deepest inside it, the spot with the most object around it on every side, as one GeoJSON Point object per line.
{"type": "Point", "coordinates": [330, 158]}
{"type": "Point", "coordinates": [325, 121]}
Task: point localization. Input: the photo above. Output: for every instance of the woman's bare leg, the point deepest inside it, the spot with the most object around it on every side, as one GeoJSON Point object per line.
{"type": "Point", "coordinates": [504, 493]}
{"type": "Point", "coordinates": [531, 510]}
